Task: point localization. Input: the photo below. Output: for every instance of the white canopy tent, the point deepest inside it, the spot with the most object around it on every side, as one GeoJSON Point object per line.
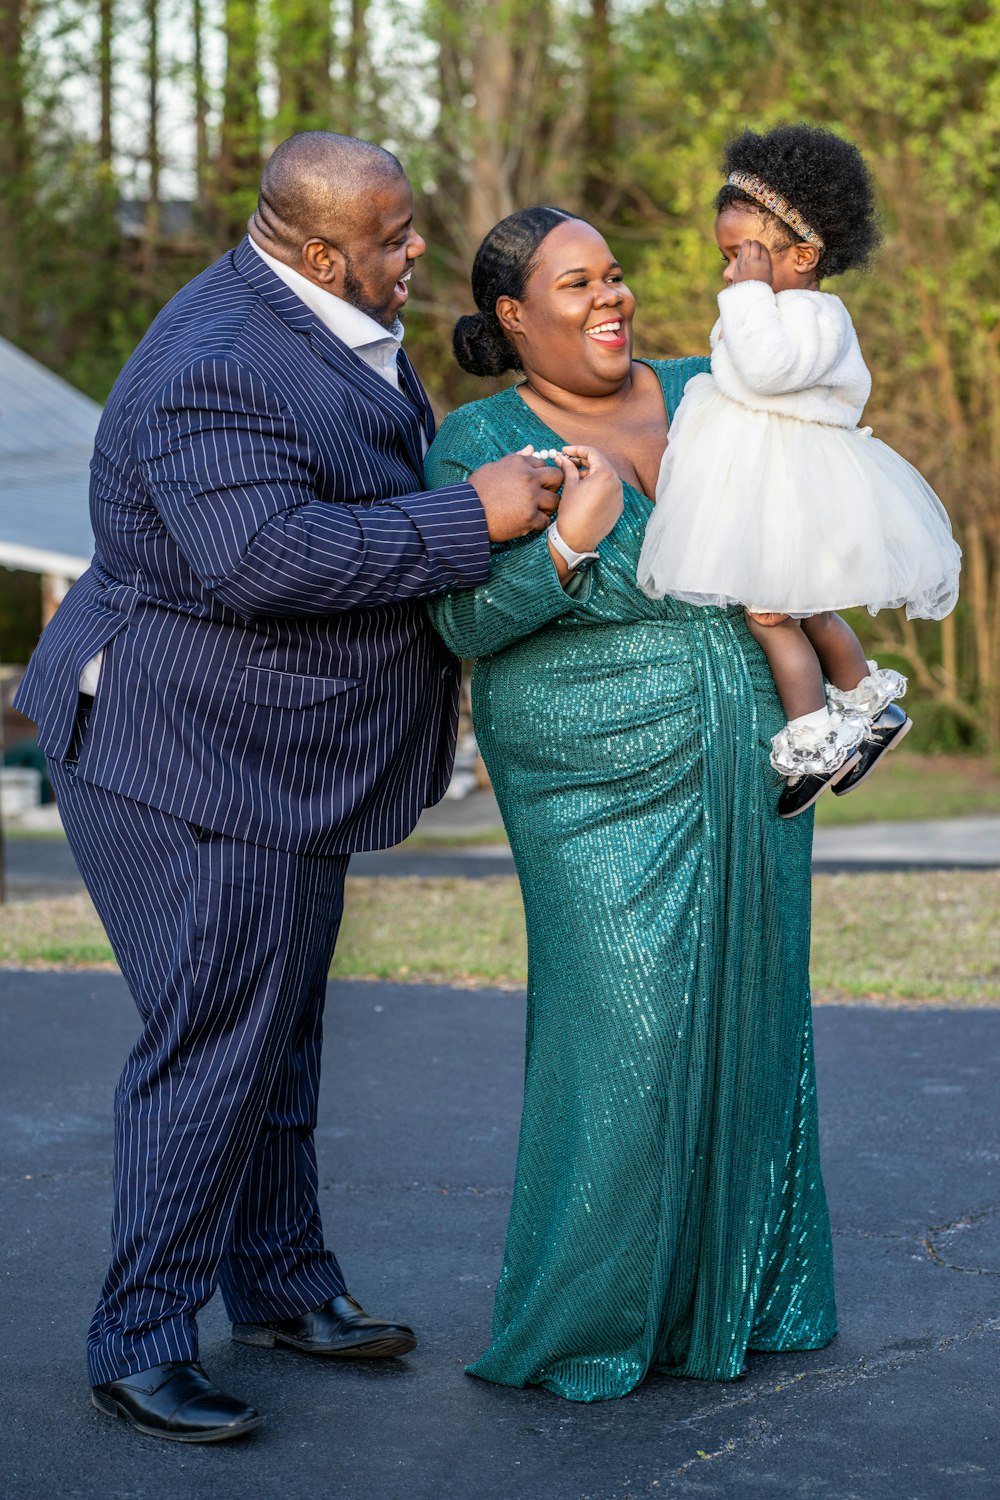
{"type": "Point", "coordinates": [47, 432]}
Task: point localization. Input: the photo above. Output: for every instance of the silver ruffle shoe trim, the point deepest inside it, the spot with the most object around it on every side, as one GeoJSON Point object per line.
{"type": "Point", "coordinates": [808, 751]}
{"type": "Point", "coordinates": [871, 697]}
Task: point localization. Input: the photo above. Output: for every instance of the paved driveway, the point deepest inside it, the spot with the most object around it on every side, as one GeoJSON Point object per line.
{"type": "Point", "coordinates": [417, 1140]}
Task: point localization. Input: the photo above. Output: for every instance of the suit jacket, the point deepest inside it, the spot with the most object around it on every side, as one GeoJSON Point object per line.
{"type": "Point", "coordinates": [262, 537]}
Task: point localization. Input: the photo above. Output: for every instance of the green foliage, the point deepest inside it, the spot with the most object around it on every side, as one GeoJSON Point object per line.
{"type": "Point", "coordinates": [917, 85]}
{"type": "Point", "coordinates": [616, 110]}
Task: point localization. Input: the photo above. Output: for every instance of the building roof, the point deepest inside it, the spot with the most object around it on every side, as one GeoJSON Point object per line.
{"type": "Point", "coordinates": [47, 432]}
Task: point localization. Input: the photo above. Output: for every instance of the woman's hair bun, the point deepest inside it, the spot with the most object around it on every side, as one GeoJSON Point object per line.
{"type": "Point", "coordinates": [481, 347]}
{"type": "Point", "coordinates": [502, 268]}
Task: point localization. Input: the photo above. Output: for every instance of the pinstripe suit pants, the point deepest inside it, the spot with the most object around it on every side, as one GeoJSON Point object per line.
{"type": "Point", "coordinates": [225, 947]}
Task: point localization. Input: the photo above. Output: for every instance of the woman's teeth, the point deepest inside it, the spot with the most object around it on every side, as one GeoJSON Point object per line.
{"type": "Point", "coordinates": [605, 330]}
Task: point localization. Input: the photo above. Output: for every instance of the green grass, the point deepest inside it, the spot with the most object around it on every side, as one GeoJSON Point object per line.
{"type": "Point", "coordinates": [914, 935]}
{"type": "Point", "coordinates": [907, 786]}
{"type": "Point", "coordinates": [466, 932]}
{"type": "Point", "coordinates": [911, 786]}
{"type": "Point", "coordinates": [479, 840]}
{"type": "Point", "coordinates": [12, 831]}
{"type": "Point", "coordinates": [909, 938]}
{"type": "Point", "coordinates": [58, 934]}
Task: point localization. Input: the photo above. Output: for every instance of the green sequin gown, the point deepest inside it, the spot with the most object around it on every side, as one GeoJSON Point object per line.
{"type": "Point", "coordinates": [668, 1210]}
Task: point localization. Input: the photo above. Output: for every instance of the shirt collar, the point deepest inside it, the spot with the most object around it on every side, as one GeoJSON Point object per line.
{"type": "Point", "coordinates": [352, 326]}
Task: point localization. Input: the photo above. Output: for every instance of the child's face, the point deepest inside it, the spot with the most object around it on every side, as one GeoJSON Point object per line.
{"type": "Point", "coordinates": [792, 262]}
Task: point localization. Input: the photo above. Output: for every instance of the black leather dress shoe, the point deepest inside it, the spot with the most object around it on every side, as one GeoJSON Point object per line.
{"type": "Point", "coordinates": [339, 1328]}
{"type": "Point", "coordinates": [176, 1401]}
{"type": "Point", "coordinates": [800, 792]}
{"type": "Point", "coordinates": [891, 726]}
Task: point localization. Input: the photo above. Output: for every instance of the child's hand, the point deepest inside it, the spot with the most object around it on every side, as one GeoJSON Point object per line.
{"type": "Point", "coordinates": [753, 263]}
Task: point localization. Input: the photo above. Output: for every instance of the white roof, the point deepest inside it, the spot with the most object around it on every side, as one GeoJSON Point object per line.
{"type": "Point", "coordinates": [47, 432]}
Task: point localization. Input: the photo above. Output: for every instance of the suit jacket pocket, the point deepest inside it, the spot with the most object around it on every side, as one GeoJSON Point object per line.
{"type": "Point", "coordinates": [292, 689]}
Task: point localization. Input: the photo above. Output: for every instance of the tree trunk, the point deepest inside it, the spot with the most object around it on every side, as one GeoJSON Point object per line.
{"type": "Point", "coordinates": [355, 56]}
{"type": "Point", "coordinates": [202, 166]}
{"type": "Point", "coordinates": [16, 194]}
{"type": "Point", "coordinates": [240, 146]}
{"type": "Point", "coordinates": [151, 225]}
{"type": "Point", "coordinates": [511, 84]}
{"type": "Point", "coordinates": [601, 174]}
{"type": "Point", "coordinates": [303, 54]}
{"type": "Point", "coordinates": [104, 67]}
{"type": "Point", "coordinates": [490, 188]}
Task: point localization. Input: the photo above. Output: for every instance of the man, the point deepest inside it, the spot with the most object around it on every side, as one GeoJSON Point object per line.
{"type": "Point", "coordinates": [238, 693]}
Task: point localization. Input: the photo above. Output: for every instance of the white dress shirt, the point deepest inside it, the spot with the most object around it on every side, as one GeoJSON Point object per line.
{"type": "Point", "coordinates": [370, 341]}
{"type": "Point", "coordinates": [378, 346]}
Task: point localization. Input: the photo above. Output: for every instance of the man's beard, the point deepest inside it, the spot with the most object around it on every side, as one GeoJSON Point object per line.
{"type": "Point", "coordinates": [354, 293]}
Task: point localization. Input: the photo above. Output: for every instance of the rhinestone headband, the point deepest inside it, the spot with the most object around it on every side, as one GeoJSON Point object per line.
{"type": "Point", "coordinates": [757, 189]}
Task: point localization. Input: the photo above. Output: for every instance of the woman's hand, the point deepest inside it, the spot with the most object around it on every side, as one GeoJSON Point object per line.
{"type": "Point", "coordinates": [591, 497]}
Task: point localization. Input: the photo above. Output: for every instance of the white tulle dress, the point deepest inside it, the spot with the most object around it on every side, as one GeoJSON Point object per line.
{"type": "Point", "coordinates": [771, 496]}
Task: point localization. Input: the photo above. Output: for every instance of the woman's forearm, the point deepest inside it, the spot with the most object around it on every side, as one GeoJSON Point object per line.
{"type": "Point", "coordinates": [524, 592]}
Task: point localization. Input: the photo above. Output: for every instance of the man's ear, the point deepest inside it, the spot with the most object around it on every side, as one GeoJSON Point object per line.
{"type": "Point", "coordinates": [508, 312]}
{"type": "Point", "coordinates": [324, 264]}
{"type": "Point", "coordinates": [806, 258]}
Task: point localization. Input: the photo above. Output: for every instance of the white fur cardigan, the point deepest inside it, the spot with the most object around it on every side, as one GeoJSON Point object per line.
{"type": "Point", "coordinates": [792, 352]}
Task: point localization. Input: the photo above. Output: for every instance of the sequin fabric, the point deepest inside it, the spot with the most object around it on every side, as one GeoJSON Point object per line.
{"type": "Point", "coordinates": [668, 1210]}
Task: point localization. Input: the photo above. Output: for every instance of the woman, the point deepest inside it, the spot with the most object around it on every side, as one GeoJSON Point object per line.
{"type": "Point", "coordinates": [668, 1210]}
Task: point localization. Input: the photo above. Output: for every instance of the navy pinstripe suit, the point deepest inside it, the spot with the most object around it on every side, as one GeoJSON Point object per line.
{"type": "Point", "coordinates": [270, 700]}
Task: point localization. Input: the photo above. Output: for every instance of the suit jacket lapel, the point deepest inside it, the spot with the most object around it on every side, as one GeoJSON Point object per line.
{"type": "Point", "coordinates": [410, 413]}
{"type": "Point", "coordinates": [410, 382]}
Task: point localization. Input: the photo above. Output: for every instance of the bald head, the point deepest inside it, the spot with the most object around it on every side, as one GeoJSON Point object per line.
{"type": "Point", "coordinates": [339, 212]}
{"type": "Point", "coordinates": [318, 185]}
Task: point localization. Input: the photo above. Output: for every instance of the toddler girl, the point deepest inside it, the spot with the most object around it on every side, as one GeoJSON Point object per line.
{"type": "Point", "coordinates": [769, 493]}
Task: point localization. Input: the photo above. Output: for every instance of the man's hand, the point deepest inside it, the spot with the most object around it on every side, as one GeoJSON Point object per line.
{"type": "Point", "coordinates": [518, 494]}
{"type": "Point", "coordinates": [753, 263]}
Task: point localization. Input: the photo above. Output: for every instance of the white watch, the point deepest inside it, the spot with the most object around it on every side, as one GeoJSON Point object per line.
{"type": "Point", "coordinates": [576, 561]}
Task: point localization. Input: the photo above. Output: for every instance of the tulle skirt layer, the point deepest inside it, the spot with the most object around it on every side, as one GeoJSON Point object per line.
{"type": "Point", "coordinates": [777, 514]}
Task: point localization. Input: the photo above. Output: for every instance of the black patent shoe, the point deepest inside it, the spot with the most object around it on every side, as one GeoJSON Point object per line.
{"type": "Point", "coordinates": [339, 1329]}
{"type": "Point", "coordinates": [800, 792]}
{"type": "Point", "coordinates": [176, 1400]}
{"type": "Point", "coordinates": [891, 726]}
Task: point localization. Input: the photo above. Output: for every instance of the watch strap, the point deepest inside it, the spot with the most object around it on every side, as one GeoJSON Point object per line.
{"type": "Point", "coordinates": [573, 560]}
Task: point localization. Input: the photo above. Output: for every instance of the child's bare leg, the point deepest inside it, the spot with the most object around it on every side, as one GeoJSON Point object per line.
{"type": "Point", "coordinates": [794, 663]}
{"type": "Point", "coordinates": [841, 655]}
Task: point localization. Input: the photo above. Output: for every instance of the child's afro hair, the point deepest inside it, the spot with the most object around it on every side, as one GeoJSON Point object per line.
{"type": "Point", "coordinates": [823, 177]}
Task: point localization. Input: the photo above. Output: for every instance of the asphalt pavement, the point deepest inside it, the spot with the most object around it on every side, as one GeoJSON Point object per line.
{"type": "Point", "coordinates": [417, 1136]}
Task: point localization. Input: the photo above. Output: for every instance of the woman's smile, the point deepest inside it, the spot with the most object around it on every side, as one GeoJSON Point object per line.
{"type": "Point", "coordinates": [576, 290]}
{"type": "Point", "coordinates": [611, 333]}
